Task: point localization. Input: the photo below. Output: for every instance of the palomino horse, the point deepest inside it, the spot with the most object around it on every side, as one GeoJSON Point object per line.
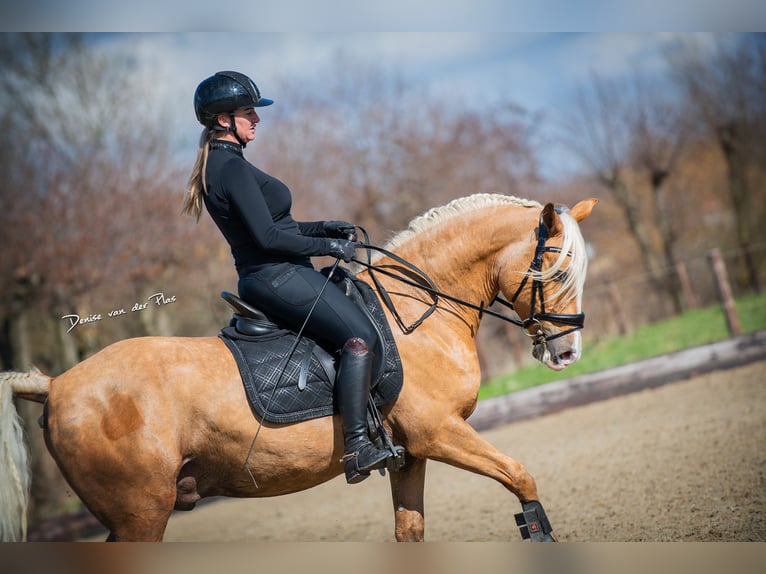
{"type": "Point", "coordinates": [150, 424]}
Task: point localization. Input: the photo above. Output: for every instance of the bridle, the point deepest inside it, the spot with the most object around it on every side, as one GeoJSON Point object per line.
{"type": "Point", "coordinates": [576, 320]}
{"type": "Point", "coordinates": [423, 282]}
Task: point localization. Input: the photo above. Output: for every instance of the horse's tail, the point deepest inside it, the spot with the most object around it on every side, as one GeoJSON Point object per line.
{"type": "Point", "coordinates": [15, 475]}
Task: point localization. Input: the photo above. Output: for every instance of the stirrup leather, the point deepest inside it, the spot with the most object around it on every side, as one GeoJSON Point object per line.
{"type": "Point", "coordinates": [382, 440]}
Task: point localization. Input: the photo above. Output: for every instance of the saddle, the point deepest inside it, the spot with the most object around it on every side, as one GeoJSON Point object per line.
{"type": "Point", "coordinates": [288, 379]}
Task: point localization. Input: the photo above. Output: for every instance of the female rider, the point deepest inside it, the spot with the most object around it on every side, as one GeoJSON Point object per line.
{"type": "Point", "coordinates": [272, 252]}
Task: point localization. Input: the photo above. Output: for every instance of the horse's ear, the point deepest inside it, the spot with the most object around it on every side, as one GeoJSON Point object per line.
{"type": "Point", "coordinates": [583, 208]}
{"type": "Point", "coordinates": [551, 220]}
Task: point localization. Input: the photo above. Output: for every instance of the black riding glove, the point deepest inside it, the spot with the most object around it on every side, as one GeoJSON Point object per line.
{"type": "Point", "coordinates": [340, 229]}
{"type": "Point", "coordinates": [342, 249]}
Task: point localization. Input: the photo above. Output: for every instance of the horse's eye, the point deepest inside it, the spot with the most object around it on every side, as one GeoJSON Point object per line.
{"type": "Point", "coordinates": [561, 276]}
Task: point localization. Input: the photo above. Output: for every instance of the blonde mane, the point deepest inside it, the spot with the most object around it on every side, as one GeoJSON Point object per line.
{"type": "Point", "coordinates": [454, 208]}
{"type": "Point", "coordinates": [572, 251]}
{"type": "Point", "coordinates": [572, 247]}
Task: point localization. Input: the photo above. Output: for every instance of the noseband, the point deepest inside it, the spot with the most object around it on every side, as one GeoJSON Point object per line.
{"type": "Point", "coordinates": [577, 321]}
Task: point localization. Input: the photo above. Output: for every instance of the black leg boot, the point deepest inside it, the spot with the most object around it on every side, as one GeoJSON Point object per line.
{"type": "Point", "coordinates": [352, 389]}
{"type": "Point", "coordinates": [533, 522]}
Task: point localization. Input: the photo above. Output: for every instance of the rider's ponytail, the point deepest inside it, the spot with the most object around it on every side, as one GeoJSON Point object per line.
{"type": "Point", "coordinates": [196, 186]}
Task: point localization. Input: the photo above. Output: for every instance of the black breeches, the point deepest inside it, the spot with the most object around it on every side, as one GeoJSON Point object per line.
{"type": "Point", "coordinates": [286, 293]}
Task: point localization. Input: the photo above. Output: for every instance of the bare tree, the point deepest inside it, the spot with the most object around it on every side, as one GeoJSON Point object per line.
{"type": "Point", "coordinates": [630, 137]}
{"type": "Point", "coordinates": [85, 205]}
{"type": "Point", "coordinates": [92, 197]}
{"type": "Point", "coordinates": [725, 90]}
{"type": "Point", "coordinates": [659, 134]}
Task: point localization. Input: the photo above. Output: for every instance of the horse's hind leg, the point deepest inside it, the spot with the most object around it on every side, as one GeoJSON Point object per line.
{"type": "Point", "coordinates": [456, 443]}
{"type": "Point", "coordinates": [130, 489]}
{"type": "Point", "coordinates": [141, 518]}
{"type": "Point", "coordinates": [407, 490]}
{"type": "Point", "coordinates": [144, 532]}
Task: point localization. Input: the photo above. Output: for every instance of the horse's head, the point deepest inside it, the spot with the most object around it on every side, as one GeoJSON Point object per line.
{"type": "Point", "coordinates": [548, 296]}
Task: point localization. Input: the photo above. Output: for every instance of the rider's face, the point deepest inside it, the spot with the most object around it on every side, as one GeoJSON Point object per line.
{"type": "Point", "coordinates": [245, 120]}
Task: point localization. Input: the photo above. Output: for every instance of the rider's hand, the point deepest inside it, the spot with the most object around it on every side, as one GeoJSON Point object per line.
{"type": "Point", "coordinates": [342, 249]}
{"type": "Point", "coordinates": [340, 229]}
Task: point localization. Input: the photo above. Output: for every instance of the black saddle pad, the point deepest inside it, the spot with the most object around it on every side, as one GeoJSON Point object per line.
{"type": "Point", "coordinates": [271, 374]}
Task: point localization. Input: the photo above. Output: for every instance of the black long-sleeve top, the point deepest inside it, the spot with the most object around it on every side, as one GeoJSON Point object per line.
{"type": "Point", "coordinates": [252, 210]}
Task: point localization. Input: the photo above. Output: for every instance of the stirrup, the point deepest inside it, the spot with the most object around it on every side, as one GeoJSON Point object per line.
{"type": "Point", "coordinates": [382, 441]}
{"type": "Point", "coordinates": [533, 522]}
{"type": "Point", "coordinates": [393, 461]}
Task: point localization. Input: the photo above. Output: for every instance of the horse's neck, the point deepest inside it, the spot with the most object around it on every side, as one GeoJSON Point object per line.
{"type": "Point", "coordinates": [461, 254]}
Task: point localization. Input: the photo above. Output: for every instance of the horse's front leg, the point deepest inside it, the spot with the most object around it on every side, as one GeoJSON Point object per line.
{"type": "Point", "coordinates": [407, 491]}
{"type": "Point", "coordinates": [456, 443]}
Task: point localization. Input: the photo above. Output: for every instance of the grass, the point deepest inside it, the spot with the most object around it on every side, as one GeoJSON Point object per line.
{"type": "Point", "coordinates": [693, 328]}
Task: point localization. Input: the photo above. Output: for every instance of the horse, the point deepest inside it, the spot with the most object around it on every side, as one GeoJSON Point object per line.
{"type": "Point", "coordinates": [152, 424]}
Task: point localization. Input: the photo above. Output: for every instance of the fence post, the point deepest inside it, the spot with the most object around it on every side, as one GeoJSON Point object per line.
{"type": "Point", "coordinates": [724, 292]}
{"type": "Point", "coordinates": [686, 286]}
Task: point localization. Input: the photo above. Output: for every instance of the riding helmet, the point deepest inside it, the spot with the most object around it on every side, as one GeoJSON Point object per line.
{"type": "Point", "coordinates": [225, 92]}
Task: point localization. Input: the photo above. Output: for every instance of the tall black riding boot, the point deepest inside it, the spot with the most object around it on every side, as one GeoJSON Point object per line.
{"type": "Point", "coordinates": [352, 389]}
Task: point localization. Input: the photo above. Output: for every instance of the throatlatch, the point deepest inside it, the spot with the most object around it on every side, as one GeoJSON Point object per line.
{"type": "Point", "coordinates": [533, 522]}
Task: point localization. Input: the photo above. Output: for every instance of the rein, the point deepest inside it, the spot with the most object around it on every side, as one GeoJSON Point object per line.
{"type": "Point", "coordinates": [424, 283]}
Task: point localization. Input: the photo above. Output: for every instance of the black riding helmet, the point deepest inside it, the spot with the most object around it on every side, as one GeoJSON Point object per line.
{"type": "Point", "coordinates": [223, 93]}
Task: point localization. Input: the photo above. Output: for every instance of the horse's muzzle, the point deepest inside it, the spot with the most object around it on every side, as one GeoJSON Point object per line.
{"type": "Point", "coordinates": [554, 355]}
